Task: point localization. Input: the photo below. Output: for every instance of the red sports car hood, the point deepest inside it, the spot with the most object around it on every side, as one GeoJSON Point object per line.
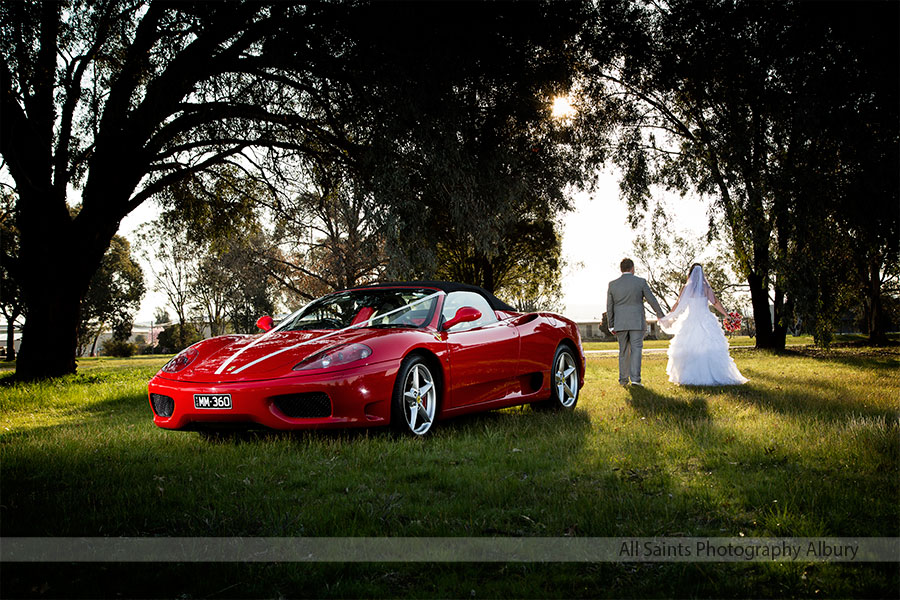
{"type": "Point", "coordinates": [264, 356]}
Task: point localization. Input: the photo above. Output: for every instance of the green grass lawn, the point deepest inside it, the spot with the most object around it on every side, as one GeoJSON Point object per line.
{"type": "Point", "coordinates": [108, 363]}
{"type": "Point", "coordinates": [738, 341]}
{"type": "Point", "coordinates": [810, 447]}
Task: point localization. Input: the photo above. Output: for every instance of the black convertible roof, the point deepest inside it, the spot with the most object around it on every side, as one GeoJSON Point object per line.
{"type": "Point", "coordinates": [448, 286]}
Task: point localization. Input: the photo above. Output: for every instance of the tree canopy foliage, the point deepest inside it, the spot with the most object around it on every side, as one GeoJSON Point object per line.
{"type": "Point", "coordinates": [12, 306]}
{"type": "Point", "coordinates": [424, 105]}
{"type": "Point", "coordinates": [113, 296]}
{"type": "Point", "coordinates": [753, 104]}
{"type": "Point", "coordinates": [122, 99]}
{"type": "Point", "coordinates": [666, 260]}
{"type": "Point", "coordinates": [466, 181]}
{"type": "Point", "coordinates": [415, 139]}
{"type": "Point", "coordinates": [329, 236]}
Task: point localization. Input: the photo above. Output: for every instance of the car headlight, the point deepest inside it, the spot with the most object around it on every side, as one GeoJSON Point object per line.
{"type": "Point", "coordinates": [334, 357]}
{"type": "Point", "coordinates": [180, 362]}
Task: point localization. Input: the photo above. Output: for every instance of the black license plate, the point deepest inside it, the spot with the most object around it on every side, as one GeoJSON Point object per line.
{"type": "Point", "coordinates": [213, 401]}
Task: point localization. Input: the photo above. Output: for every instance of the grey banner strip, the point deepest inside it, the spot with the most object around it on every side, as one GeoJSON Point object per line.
{"type": "Point", "coordinates": [447, 549]}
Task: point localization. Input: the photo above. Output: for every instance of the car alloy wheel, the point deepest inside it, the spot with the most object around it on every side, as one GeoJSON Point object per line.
{"type": "Point", "coordinates": [565, 379]}
{"type": "Point", "coordinates": [563, 382]}
{"type": "Point", "coordinates": [416, 399]}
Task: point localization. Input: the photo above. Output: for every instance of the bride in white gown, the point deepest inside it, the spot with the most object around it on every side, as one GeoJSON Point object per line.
{"type": "Point", "coordinates": [698, 355]}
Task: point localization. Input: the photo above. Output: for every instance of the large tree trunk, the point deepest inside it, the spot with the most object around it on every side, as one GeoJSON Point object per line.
{"type": "Point", "coordinates": [759, 297]}
{"type": "Point", "coordinates": [485, 269]}
{"type": "Point", "coordinates": [11, 338]}
{"type": "Point", "coordinates": [58, 259]}
{"type": "Point", "coordinates": [50, 334]}
{"type": "Point", "coordinates": [876, 320]}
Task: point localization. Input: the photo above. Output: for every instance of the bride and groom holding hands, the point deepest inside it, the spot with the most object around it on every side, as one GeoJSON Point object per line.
{"type": "Point", "coordinates": [698, 354]}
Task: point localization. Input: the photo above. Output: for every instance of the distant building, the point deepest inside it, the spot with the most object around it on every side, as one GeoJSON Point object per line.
{"type": "Point", "coordinates": [17, 340]}
{"type": "Point", "coordinates": [592, 331]}
{"type": "Point", "coordinates": [140, 334]}
{"type": "Point", "coordinates": [596, 331]}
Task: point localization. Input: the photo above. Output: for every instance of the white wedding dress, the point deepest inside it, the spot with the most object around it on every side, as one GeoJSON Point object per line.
{"type": "Point", "coordinates": [698, 354]}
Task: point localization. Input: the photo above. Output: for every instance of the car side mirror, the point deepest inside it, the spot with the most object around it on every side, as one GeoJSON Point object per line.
{"type": "Point", "coordinates": [265, 323]}
{"type": "Point", "coordinates": [466, 314]}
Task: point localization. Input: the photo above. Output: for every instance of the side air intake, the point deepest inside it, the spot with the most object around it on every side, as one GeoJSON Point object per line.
{"type": "Point", "coordinates": [163, 406]}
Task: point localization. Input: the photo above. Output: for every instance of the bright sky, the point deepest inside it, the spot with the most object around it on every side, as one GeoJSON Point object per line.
{"type": "Point", "coordinates": [144, 213]}
{"type": "Point", "coordinates": [596, 236]}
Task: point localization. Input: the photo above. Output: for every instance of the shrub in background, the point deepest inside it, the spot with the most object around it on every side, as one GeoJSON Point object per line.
{"type": "Point", "coordinates": [119, 348]}
{"type": "Point", "coordinates": [170, 339]}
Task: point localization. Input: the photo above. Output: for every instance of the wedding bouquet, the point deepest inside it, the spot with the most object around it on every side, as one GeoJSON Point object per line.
{"type": "Point", "coordinates": [732, 322]}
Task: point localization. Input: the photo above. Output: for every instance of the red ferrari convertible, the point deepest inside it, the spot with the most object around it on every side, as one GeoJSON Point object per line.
{"type": "Point", "coordinates": [400, 354]}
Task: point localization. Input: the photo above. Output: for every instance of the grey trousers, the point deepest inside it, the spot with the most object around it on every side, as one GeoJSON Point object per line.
{"type": "Point", "coordinates": [631, 345]}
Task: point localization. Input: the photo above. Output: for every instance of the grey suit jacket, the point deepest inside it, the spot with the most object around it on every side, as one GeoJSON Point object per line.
{"type": "Point", "coordinates": [625, 303]}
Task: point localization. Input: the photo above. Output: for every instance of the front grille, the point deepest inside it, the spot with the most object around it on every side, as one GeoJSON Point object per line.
{"type": "Point", "coordinates": [163, 406]}
{"type": "Point", "coordinates": [311, 405]}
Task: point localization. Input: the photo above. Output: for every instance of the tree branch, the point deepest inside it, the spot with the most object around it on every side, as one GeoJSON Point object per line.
{"type": "Point", "coordinates": [681, 128]}
{"type": "Point", "coordinates": [62, 170]}
{"type": "Point", "coordinates": [196, 114]}
{"type": "Point", "coordinates": [14, 142]}
{"type": "Point", "coordinates": [194, 63]}
{"type": "Point", "coordinates": [163, 182]}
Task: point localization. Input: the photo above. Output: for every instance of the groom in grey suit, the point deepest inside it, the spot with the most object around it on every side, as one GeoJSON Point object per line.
{"type": "Point", "coordinates": [625, 318]}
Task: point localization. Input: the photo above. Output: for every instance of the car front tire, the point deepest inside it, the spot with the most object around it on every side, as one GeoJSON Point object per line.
{"type": "Point", "coordinates": [416, 395]}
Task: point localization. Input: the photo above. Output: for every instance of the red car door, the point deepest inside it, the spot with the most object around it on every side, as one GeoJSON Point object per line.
{"type": "Point", "coordinates": [538, 342]}
{"type": "Point", "coordinates": [483, 354]}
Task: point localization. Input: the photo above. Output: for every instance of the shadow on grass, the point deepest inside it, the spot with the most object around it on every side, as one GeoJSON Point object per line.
{"type": "Point", "coordinates": [9, 379]}
{"type": "Point", "coordinates": [506, 419]}
{"type": "Point", "coordinates": [524, 414]}
{"type": "Point", "coordinates": [796, 402]}
{"type": "Point", "coordinates": [815, 398]}
{"type": "Point", "coordinates": [106, 413]}
{"type": "Point", "coordinates": [649, 403]}
{"type": "Point", "coordinates": [718, 476]}
{"type": "Point", "coordinates": [857, 357]}
{"type": "Point", "coordinates": [144, 481]}
{"type": "Point", "coordinates": [249, 433]}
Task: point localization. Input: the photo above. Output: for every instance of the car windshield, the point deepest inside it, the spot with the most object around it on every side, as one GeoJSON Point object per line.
{"type": "Point", "coordinates": [391, 307]}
